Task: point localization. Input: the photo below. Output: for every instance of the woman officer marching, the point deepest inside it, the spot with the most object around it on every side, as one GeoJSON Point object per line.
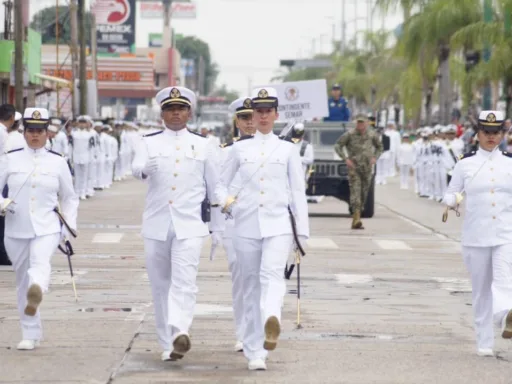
{"type": "Point", "coordinates": [37, 180]}
{"type": "Point", "coordinates": [485, 177]}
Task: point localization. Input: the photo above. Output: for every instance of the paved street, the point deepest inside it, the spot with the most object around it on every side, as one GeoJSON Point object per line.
{"type": "Point", "coordinates": [390, 304]}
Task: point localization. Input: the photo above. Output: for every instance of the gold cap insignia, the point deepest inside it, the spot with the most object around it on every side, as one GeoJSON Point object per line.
{"type": "Point", "coordinates": [36, 115]}
{"type": "Point", "coordinates": [247, 103]}
{"type": "Point", "coordinates": [175, 93]}
{"type": "Point", "coordinates": [263, 93]}
{"type": "Point", "coordinates": [491, 118]}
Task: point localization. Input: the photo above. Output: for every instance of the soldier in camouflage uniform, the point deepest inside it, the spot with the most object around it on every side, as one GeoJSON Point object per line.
{"type": "Point", "coordinates": [359, 148]}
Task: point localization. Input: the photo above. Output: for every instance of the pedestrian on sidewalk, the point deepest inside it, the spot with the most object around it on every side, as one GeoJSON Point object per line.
{"type": "Point", "coordinates": [38, 180]}
{"type": "Point", "coordinates": [485, 178]}
{"type": "Point", "coordinates": [270, 188]}
{"type": "Point", "coordinates": [181, 171]}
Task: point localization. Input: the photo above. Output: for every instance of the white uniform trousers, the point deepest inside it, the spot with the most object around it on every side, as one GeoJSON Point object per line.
{"type": "Point", "coordinates": [236, 287]}
{"type": "Point", "coordinates": [391, 164]}
{"type": "Point", "coordinates": [118, 168]}
{"type": "Point", "coordinates": [81, 177]}
{"type": "Point", "coordinates": [417, 181]}
{"type": "Point", "coordinates": [172, 267]}
{"type": "Point", "coordinates": [31, 262]}
{"type": "Point", "coordinates": [262, 262]}
{"type": "Point", "coordinates": [438, 173]}
{"type": "Point", "coordinates": [405, 171]}
{"type": "Point", "coordinates": [107, 173]}
{"type": "Point", "coordinates": [100, 179]}
{"type": "Point", "coordinates": [381, 170]}
{"type": "Point", "coordinates": [91, 178]}
{"type": "Point", "coordinates": [490, 269]}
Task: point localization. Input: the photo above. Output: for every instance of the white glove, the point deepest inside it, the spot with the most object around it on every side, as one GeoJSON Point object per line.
{"type": "Point", "coordinates": [8, 206]}
{"type": "Point", "coordinates": [64, 234]}
{"type": "Point", "coordinates": [150, 168]}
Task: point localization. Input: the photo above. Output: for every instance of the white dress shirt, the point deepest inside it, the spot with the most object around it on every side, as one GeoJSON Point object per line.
{"type": "Point", "coordinates": [406, 154]}
{"type": "Point", "coordinates": [37, 181]}
{"type": "Point", "coordinates": [487, 183]}
{"type": "Point", "coordinates": [270, 178]}
{"type": "Point", "coordinates": [187, 169]}
{"type": "Point", "coordinates": [82, 152]}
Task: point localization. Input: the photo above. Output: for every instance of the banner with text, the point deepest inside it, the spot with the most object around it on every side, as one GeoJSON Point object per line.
{"type": "Point", "coordinates": [179, 10]}
{"type": "Point", "coordinates": [115, 26]}
{"type": "Point", "coordinates": [301, 100]}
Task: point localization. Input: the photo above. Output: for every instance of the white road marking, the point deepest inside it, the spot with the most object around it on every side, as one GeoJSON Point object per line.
{"type": "Point", "coordinates": [107, 238]}
{"type": "Point", "coordinates": [453, 284]}
{"type": "Point", "coordinates": [392, 244]}
{"type": "Point", "coordinates": [211, 309]}
{"type": "Point", "coordinates": [63, 277]}
{"type": "Point", "coordinates": [353, 279]}
{"type": "Point", "coordinates": [322, 242]}
{"type": "Point", "coordinates": [414, 224]}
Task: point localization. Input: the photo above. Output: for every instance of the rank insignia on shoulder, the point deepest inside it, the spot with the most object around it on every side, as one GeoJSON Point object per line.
{"type": "Point", "coordinates": [54, 153]}
{"type": "Point", "coordinates": [226, 144]}
{"type": "Point", "coordinates": [153, 134]}
{"type": "Point", "coordinates": [197, 133]}
{"type": "Point", "coordinates": [466, 155]}
{"type": "Point", "coordinates": [15, 150]}
{"type": "Point", "coordinates": [505, 153]}
{"type": "Point", "coordinates": [244, 138]}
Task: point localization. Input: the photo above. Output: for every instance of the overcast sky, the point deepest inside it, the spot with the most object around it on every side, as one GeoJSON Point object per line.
{"type": "Point", "coordinates": [247, 38]}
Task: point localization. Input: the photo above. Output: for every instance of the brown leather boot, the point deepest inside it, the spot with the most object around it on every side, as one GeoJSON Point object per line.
{"type": "Point", "coordinates": [356, 220]}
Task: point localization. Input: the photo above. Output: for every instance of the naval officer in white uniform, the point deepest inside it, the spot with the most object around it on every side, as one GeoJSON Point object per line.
{"type": "Point", "coordinates": [242, 127]}
{"type": "Point", "coordinates": [485, 177]}
{"type": "Point", "coordinates": [38, 179]}
{"type": "Point", "coordinates": [180, 171]}
{"type": "Point", "coordinates": [261, 179]}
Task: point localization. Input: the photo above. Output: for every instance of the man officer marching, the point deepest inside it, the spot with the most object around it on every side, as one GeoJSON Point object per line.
{"type": "Point", "coordinates": [242, 128]}
{"type": "Point", "coordinates": [37, 180]}
{"type": "Point", "coordinates": [262, 181]}
{"type": "Point", "coordinates": [364, 148]}
{"type": "Point", "coordinates": [181, 172]}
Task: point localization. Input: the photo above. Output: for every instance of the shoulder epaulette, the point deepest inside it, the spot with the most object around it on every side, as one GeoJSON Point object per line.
{"type": "Point", "coordinates": [288, 139]}
{"type": "Point", "coordinates": [505, 153]}
{"type": "Point", "coordinates": [226, 144]}
{"type": "Point", "coordinates": [244, 138]}
{"type": "Point", "coordinates": [197, 133]}
{"type": "Point", "coordinates": [15, 150]}
{"type": "Point", "coordinates": [55, 153]}
{"type": "Point", "coordinates": [466, 155]}
{"type": "Point", "coordinates": [153, 134]}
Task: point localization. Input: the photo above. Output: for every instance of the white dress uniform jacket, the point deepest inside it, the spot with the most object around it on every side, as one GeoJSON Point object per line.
{"type": "Point", "coordinates": [186, 171]}
{"type": "Point", "coordinates": [37, 180]}
{"type": "Point", "coordinates": [15, 140]}
{"type": "Point", "coordinates": [488, 209]}
{"type": "Point", "coordinates": [60, 144]}
{"type": "Point", "coordinates": [264, 189]}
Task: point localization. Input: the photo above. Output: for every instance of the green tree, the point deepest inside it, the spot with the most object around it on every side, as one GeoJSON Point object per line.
{"type": "Point", "coordinates": [190, 47]}
{"type": "Point", "coordinates": [45, 22]}
{"type": "Point", "coordinates": [224, 92]}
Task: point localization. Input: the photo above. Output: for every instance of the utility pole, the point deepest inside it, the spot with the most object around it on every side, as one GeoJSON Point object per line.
{"type": "Point", "coordinates": [57, 53]}
{"type": "Point", "coordinates": [488, 16]}
{"type": "Point", "coordinates": [73, 8]}
{"type": "Point", "coordinates": [83, 63]}
{"type": "Point", "coordinates": [201, 77]}
{"type": "Point", "coordinates": [94, 62]}
{"type": "Point", "coordinates": [167, 38]}
{"type": "Point", "coordinates": [18, 54]}
{"type": "Point", "coordinates": [343, 28]}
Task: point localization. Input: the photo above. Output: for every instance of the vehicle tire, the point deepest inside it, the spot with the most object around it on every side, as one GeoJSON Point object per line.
{"type": "Point", "coordinates": [369, 206]}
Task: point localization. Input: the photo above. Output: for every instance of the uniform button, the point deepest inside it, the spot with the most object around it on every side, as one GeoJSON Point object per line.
{"type": "Point", "coordinates": [170, 201]}
{"type": "Point", "coordinates": [262, 153]}
{"type": "Point", "coordinates": [493, 204]}
{"type": "Point", "coordinates": [178, 148]}
{"type": "Point", "coordinates": [33, 198]}
{"type": "Point", "coordinates": [261, 166]}
{"type": "Point", "coordinates": [261, 179]}
{"type": "Point", "coordinates": [492, 179]}
{"type": "Point", "coordinates": [262, 192]}
{"type": "Point", "coordinates": [177, 160]}
{"type": "Point", "coordinates": [173, 188]}
{"type": "Point", "coordinates": [494, 217]}
{"type": "Point", "coordinates": [492, 169]}
{"type": "Point", "coordinates": [261, 205]}
{"type": "Point", "coordinates": [33, 186]}
{"type": "Point", "coordinates": [175, 174]}
{"type": "Point", "coordinates": [492, 190]}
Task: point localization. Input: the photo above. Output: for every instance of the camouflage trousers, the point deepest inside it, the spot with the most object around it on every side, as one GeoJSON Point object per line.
{"type": "Point", "coordinates": [359, 181]}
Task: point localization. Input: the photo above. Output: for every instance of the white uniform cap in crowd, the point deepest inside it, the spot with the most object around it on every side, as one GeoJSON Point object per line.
{"type": "Point", "coordinates": [428, 131]}
{"type": "Point", "coordinates": [451, 128]}
{"type": "Point", "coordinates": [97, 124]}
{"type": "Point", "coordinates": [17, 116]}
{"type": "Point", "coordinates": [53, 128]}
{"type": "Point", "coordinates": [491, 118]}
{"type": "Point", "coordinates": [241, 106]}
{"type": "Point", "coordinates": [35, 118]}
{"type": "Point", "coordinates": [176, 96]}
{"type": "Point", "coordinates": [299, 127]}
{"type": "Point", "coordinates": [264, 98]}
{"type": "Point", "coordinates": [56, 122]}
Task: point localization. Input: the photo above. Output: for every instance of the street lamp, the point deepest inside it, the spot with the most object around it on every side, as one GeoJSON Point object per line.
{"type": "Point", "coordinates": [344, 32]}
